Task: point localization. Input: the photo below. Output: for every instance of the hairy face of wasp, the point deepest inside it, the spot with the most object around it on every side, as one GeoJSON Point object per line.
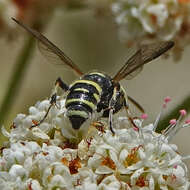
{"type": "Point", "coordinates": [96, 92]}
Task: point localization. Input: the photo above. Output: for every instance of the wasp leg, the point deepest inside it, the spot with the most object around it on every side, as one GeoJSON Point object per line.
{"type": "Point", "coordinates": [129, 115]}
{"type": "Point", "coordinates": [136, 104]}
{"type": "Point", "coordinates": [111, 108]}
{"type": "Point", "coordinates": [111, 120]}
{"type": "Point", "coordinates": [64, 87]}
{"type": "Point", "coordinates": [61, 84]}
{"type": "Point", "coordinates": [52, 102]}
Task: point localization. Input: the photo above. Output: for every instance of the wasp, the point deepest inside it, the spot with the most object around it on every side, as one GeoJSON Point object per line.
{"type": "Point", "coordinates": [97, 93]}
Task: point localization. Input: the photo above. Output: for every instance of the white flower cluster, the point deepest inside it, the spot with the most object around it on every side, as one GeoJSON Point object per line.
{"type": "Point", "coordinates": [37, 158]}
{"type": "Point", "coordinates": [153, 19]}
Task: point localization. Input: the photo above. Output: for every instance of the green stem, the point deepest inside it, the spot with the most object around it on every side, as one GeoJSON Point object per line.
{"type": "Point", "coordinates": [19, 69]}
{"type": "Point", "coordinates": [185, 104]}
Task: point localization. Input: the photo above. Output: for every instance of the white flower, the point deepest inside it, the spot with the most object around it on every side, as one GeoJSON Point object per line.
{"type": "Point", "coordinates": [153, 16]}
{"type": "Point", "coordinates": [153, 20]}
{"type": "Point", "coordinates": [57, 175]}
{"type": "Point", "coordinates": [110, 183]}
{"type": "Point", "coordinates": [34, 184]}
{"type": "Point", "coordinates": [134, 158]}
{"type": "Point", "coordinates": [18, 171]}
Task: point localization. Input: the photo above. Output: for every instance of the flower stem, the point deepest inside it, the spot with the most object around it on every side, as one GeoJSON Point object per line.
{"type": "Point", "coordinates": [185, 104]}
{"type": "Point", "coordinates": [19, 69]}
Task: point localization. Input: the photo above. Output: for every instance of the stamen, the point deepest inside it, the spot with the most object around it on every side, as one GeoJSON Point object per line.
{"type": "Point", "coordinates": [175, 127]}
{"type": "Point", "coordinates": [144, 116]}
{"type": "Point", "coordinates": [173, 121]}
{"type": "Point", "coordinates": [183, 112]}
{"type": "Point", "coordinates": [135, 128]}
{"type": "Point", "coordinates": [166, 131]}
{"type": "Point", "coordinates": [167, 99]}
{"type": "Point", "coordinates": [164, 105]}
{"type": "Point", "coordinates": [187, 121]}
{"type": "Point", "coordinates": [169, 131]}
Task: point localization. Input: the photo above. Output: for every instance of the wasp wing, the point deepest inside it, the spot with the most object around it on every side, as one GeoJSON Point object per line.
{"type": "Point", "coordinates": [134, 73]}
{"type": "Point", "coordinates": [50, 56]}
{"type": "Point", "coordinates": [145, 54]}
{"type": "Point", "coordinates": [49, 46]}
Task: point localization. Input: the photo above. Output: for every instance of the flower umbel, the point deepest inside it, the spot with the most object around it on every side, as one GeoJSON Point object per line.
{"type": "Point", "coordinates": [44, 157]}
{"type": "Point", "coordinates": [153, 20]}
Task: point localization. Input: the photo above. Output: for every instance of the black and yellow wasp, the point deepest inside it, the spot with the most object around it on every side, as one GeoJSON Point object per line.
{"type": "Point", "coordinates": [96, 92]}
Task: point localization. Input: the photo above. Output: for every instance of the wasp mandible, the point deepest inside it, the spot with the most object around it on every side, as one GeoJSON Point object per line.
{"type": "Point", "coordinates": [96, 92]}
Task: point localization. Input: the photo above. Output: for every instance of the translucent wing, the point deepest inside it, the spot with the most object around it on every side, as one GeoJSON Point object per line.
{"type": "Point", "coordinates": [134, 73]}
{"type": "Point", "coordinates": [49, 46]}
{"type": "Point", "coordinates": [50, 56]}
{"type": "Point", "coordinates": [145, 54]}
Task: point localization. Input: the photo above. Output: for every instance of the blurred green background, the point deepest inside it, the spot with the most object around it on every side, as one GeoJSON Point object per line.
{"type": "Point", "coordinates": [93, 44]}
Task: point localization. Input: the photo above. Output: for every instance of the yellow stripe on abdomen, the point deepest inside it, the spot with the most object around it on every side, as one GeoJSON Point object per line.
{"type": "Point", "coordinates": [94, 84]}
{"type": "Point", "coordinates": [90, 104]}
{"type": "Point", "coordinates": [82, 114]}
{"type": "Point", "coordinates": [81, 89]}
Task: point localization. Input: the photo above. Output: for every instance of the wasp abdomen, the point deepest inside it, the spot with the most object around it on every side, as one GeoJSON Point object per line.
{"type": "Point", "coordinates": [82, 101]}
{"type": "Point", "coordinates": [77, 114]}
{"type": "Point", "coordinates": [89, 94]}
